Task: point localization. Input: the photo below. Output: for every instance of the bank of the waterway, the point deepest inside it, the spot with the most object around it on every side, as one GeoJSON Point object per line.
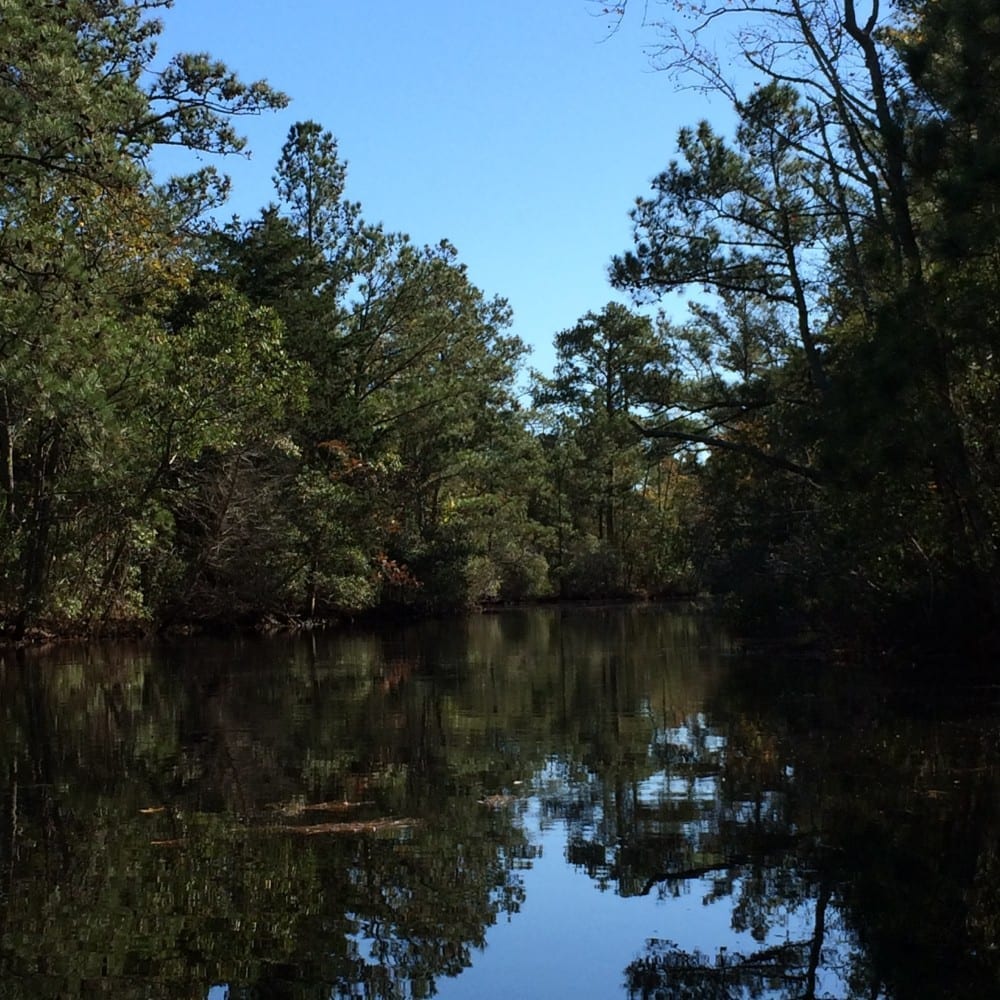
{"type": "Point", "coordinates": [539, 803]}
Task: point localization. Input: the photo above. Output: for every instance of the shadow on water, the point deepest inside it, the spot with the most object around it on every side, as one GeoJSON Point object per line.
{"type": "Point", "coordinates": [361, 815]}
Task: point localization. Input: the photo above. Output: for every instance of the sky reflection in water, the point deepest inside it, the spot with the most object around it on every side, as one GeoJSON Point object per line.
{"type": "Point", "coordinates": [539, 804]}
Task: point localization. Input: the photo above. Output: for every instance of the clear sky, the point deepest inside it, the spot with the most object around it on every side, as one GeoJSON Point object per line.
{"type": "Point", "coordinates": [517, 129]}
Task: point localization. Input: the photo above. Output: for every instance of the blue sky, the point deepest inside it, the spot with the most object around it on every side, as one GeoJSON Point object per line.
{"type": "Point", "coordinates": [514, 128]}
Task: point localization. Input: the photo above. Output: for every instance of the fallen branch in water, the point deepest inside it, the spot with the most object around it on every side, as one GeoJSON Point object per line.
{"type": "Point", "coordinates": [365, 826]}
{"type": "Point", "coordinates": [298, 808]}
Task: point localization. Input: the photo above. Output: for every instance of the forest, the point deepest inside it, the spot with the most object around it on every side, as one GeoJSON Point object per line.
{"type": "Point", "coordinates": [305, 416]}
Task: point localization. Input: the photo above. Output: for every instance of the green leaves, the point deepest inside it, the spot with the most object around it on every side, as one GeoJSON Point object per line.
{"type": "Point", "coordinates": [611, 368]}
{"type": "Point", "coordinates": [310, 181]}
{"type": "Point", "coordinates": [99, 401]}
{"type": "Point", "coordinates": [837, 358]}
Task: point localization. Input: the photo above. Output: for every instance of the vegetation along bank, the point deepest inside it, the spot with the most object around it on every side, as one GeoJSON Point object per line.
{"type": "Point", "coordinates": [306, 415]}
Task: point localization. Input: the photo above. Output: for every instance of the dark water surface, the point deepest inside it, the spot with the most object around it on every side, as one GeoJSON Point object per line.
{"type": "Point", "coordinates": [594, 803]}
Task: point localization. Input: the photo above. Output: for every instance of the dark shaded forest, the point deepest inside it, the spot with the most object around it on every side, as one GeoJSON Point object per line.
{"type": "Point", "coordinates": [305, 416]}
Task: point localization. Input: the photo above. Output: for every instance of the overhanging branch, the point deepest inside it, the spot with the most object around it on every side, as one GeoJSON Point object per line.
{"type": "Point", "coordinates": [722, 444]}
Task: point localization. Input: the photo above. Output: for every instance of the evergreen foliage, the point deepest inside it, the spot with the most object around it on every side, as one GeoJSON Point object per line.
{"type": "Point", "coordinates": [308, 415]}
{"type": "Point", "coordinates": [840, 378]}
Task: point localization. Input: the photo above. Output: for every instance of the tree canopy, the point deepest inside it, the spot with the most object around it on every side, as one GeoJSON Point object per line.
{"type": "Point", "coordinates": [306, 414]}
{"type": "Point", "coordinates": [837, 342]}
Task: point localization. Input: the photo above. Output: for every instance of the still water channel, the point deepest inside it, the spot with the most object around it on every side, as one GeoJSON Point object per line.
{"type": "Point", "coordinates": [600, 803]}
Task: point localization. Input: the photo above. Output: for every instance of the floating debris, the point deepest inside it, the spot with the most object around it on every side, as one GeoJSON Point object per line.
{"type": "Point", "coordinates": [297, 808]}
{"type": "Point", "coordinates": [366, 826]}
{"type": "Point", "coordinates": [498, 801]}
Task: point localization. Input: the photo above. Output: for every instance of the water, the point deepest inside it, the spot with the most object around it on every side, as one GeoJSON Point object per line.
{"type": "Point", "coordinates": [599, 803]}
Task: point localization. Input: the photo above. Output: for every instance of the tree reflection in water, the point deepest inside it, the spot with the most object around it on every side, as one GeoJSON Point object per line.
{"type": "Point", "coordinates": [349, 816]}
{"type": "Point", "coordinates": [852, 832]}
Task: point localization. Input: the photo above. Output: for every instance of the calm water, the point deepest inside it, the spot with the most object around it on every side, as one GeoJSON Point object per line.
{"type": "Point", "coordinates": [599, 803]}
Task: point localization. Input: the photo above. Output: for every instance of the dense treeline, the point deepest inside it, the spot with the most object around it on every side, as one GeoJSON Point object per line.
{"type": "Point", "coordinates": [840, 362]}
{"type": "Point", "coordinates": [306, 414]}
{"type": "Point", "coordinates": [295, 416]}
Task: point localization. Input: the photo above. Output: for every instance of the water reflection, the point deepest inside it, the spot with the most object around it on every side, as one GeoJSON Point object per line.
{"type": "Point", "coordinates": [597, 803]}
